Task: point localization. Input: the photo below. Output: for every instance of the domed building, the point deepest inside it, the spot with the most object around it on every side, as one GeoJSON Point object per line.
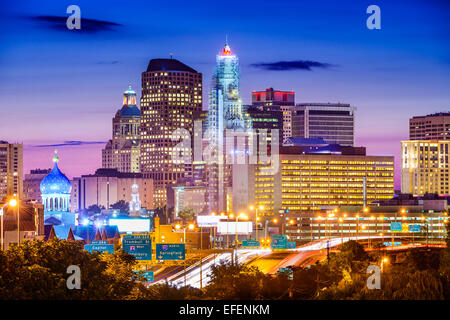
{"type": "Point", "coordinates": [55, 193]}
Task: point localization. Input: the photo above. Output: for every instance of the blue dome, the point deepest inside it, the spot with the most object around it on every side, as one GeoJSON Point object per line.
{"type": "Point", "coordinates": [130, 111]}
{"type": "Point", "coordinates": [55, 182]}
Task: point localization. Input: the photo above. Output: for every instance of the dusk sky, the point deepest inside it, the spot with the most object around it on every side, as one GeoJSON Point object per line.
{"type": "Point", "coordinates": [60, 88]}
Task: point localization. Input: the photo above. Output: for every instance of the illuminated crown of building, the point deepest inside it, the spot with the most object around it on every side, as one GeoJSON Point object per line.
{"type": "Point", "coordinates": [55, 189]}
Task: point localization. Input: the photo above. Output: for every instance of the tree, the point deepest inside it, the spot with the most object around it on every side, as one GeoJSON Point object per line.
{"type": "Point", "coordinates": [38, 270]}
{"type": "Point", "coordinates": [234, 281]}
{"type": "Point", "coordinates": [93, 209]}
{"type": "Point", "coordinates": [121, 205]}
{"type": "Point", "coordinates": [187, 214]}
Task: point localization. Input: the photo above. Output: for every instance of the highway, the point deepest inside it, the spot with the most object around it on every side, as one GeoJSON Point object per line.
{"type": "Point", "coordinates": [193, 276]}
{"type": "Point", "coordinates": [267, 260]}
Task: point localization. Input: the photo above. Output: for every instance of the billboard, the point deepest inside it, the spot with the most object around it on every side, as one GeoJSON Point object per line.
{"type": "Point", "coordinates": [228, 227]}
{"type": "Point", "coordinates": [131, 224]}
{"type": "Point", "coordinates": [208, 221]}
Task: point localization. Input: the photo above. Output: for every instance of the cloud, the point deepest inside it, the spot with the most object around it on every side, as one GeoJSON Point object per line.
{"type": "Point", "coordinates": [108, 62]}
{"type": "Point", "coordinates": [291, 65]}
{"type": "Point", "coordinates": [87, 25]}
{"type": "Point", "coordinates": [68, 143]}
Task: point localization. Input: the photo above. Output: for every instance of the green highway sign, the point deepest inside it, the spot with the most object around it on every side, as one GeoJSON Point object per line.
{"type": "Point", "coordinates": [279, 241]}
{"type": "Point", "coordinates": [291, 244]}
{"type": "Point", "coordinates": [108, 248]}
{"type": "Point", "coordinates": [148, 275]}
{"type": "Point", "coordinates": [170, 251]}
{"type": "Point", "coordinates": [140, 246]}
{"type": "Point", "coordinates": [250, 243]}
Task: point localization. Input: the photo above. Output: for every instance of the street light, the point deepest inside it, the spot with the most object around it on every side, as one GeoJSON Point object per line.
{"type": "Point", "coordinates": [342, 229]}
{"type": "Point", "coordinates": [256, 218]}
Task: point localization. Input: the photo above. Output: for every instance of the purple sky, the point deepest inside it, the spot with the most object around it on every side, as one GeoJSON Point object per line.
{"type": "Point", "coordinates": [59, 85]}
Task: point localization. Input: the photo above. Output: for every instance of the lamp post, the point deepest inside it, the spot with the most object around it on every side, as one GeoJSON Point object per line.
{"type": "Point", "coordinates": [256, 218]}
{"type": "Point", "coordinates": [342, 230]}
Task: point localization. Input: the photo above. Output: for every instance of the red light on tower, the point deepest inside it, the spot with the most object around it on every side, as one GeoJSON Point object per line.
{"type": "Point", "coordinates": [226, 50]}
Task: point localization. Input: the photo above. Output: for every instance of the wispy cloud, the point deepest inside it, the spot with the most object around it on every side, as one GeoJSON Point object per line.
{"type": "Point", "coordinates": [108, 62]}
{"type": "Point", "coordinates": [291, 65]}
{"type": "Point", "coordinates": [68, 143]}
{"type": "Point", "coordinates": [87, 25]}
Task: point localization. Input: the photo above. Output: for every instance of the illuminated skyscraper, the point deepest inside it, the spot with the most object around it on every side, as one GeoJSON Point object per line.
{"type": "Point", "coordinates": [171, 93]}
{"type": "Point", "coordinates": [11, 169]}
{"type": "Point", "coordinates": [425, 167]}
{"type": "Point", "coordinates": [123, 151]}
{"type": "Point", "coordinates": [225, 113]}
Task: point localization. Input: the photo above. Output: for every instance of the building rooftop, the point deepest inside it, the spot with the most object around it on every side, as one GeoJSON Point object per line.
{"type": "Point", "coordinates": [107, 172]}
{"type": "Point", "coordinates": [168, 65]}
{"type": "Point", "coordinates": [438, 114]}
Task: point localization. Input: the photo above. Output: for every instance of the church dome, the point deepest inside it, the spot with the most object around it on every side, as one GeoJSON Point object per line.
{"type": "Point", "coordinates": [55, 181]}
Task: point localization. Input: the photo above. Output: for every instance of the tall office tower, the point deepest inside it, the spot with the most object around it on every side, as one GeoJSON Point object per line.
{"type": "Point", "coordinates": [123, 151]}
{"type": "Point", "coordinates": [425, 165]}
{"type": "Point", "coordinates": [277, 100]}
{"type": "Point", "coordinates": [227, 131]}
{"type": "Point", "coordinates": [431, 127]}
{"type": "Point", "coordinates": [333, 122]}
{"type": "Point", "coordinates": [11, 169]}
{"type": "Point", "coordinates": [171, 93]}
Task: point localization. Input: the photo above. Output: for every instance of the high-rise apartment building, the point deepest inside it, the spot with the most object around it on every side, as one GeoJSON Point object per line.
{"type": "Point", "coordinates": [425, 166]}
{"type": "Point", "coordinates": [431, 127]}
{"type": "Point", "coordinates": [318, 178]}
{"type": "Point", "coordinates": [11, 170]}
{"type": "Point", "coordinates": [123, 151]}
{"type": "Point", "coordinates": [171, 93]}
{"type": "Point", "coordinates": [332, 122]}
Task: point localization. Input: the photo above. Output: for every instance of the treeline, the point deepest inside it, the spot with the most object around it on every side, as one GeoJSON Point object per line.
{"type": "Point", "coordinates": [38, 270]}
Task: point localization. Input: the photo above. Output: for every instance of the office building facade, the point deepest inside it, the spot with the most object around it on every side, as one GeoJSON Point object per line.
{"type": "Point", "coordinates": [431, 127]}
{"type": "Point", "coordinates": [332, 122]}
{"type": "Point", "coordinates": [107, 187]}
{"type": "Point", "coordinates": [308, 179]}
{"type": "Point", "coordinates": [425, 167]}
{"type": "Point", "coordinates": [171, 93]}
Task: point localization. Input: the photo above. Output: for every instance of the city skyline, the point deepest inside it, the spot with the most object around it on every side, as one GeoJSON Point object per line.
{"type": "Point", "coordinates": [390, 74]}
